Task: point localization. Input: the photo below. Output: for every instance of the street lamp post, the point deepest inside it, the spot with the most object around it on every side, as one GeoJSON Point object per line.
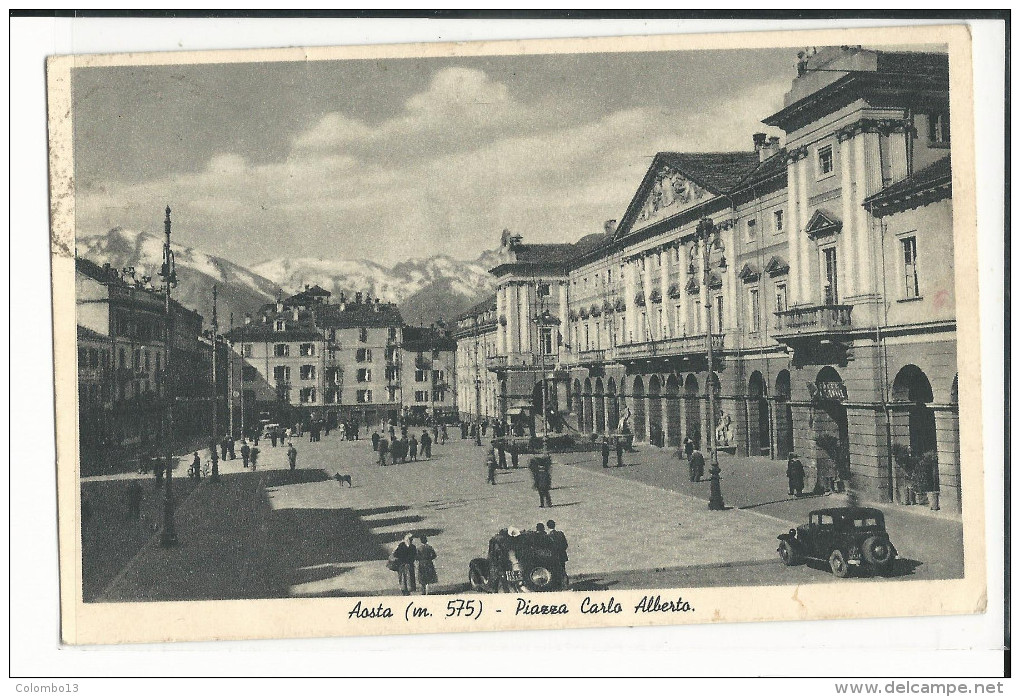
{"type": "Point", "coordinates": [168, 538]}
{"type": "Point", "coordinates": [542, 319]}
{"type": "Point", "coordinates": [478, 411]}
{"type": "Point", "coordinates": [706, 230]}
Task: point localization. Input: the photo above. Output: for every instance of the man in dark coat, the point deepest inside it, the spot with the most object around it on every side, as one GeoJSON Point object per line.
{"type": "Point", "coordinates": [223, 448]}
{"type": "Point", "coordinates": [384, 446]}
{"type": "Point", "coordinates": [619, 451]}
{"type": "Point", "coordinates": [254, 457]}
{"type": "Point", "coordinates": [292, 457]}
{"type": "Point", "coordinates": [688, 447]}
{"type": "Point", "coordinates": [605, 451]}
{"type": "Point", "coordinates": [698, 465]}
{"type": "Point", "coordinates": [501, 449]}
{"type": "Point", "coordinates": [490, 465]}
{"type": "Point", "coordinates": [498, 560]}
{"type": "Point", "coordinates": [375, 440]}
{"type": "Point", "coordinates": [514, 455]}
{"type": "Point", "coordinates": [245, 453]}
{"type": "Point", "coordinates": [273, 435]}
{"type": "Point", "coordinates": [543, 482]}
{"type": "Point", "coordinates": [795, 475]}
{"type": "Point", "coordinates": [426, 445]}
{"type": "Point", "coordinates": [559, 542]}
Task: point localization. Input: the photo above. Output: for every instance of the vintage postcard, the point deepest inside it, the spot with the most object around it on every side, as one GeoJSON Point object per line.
{"type": "Point", "coordinates": [516, 335]}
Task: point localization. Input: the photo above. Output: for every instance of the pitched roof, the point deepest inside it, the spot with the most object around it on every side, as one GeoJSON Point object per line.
{"type": "Point", "coordinates": [716, 171]}
{"type": "Point", "coordinates": [427, 339]}
{"type": "Point", "coordinates": [86, 334]}
{"type": "Point", "coordinates": [485, 305]}
{"type": "Point", "coordinates": [351, 315]}
{"type": "Point", "coordinates": [774, 166]}
{"type": "Point", "coordinates": [545, 254]}
{"type": "Point", "coordinates": [927, 184]}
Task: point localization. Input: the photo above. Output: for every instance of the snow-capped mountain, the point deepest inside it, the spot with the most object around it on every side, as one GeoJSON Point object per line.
{"type": "Point", "coordinates": [424, 289]}
{"type": "Point", "coordinates": [238, 289]}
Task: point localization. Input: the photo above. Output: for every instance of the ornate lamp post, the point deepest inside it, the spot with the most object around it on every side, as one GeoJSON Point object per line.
{"type": "Point", "coordinates": [169, 275]}
{"type": "Point", "coordinates": [707, 233]}
{"type": "Point", "coordinates": [478, 411]}
{"type": "Point", "coordinates": [544, 319]}
{"type": "Point", "coordinates": [215, 393]}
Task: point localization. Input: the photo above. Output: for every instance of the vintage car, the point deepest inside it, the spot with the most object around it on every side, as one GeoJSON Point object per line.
{"type": "Point", "coordinates": [529, 564]}
{"type": "Point", "coordinates": [842, 537]}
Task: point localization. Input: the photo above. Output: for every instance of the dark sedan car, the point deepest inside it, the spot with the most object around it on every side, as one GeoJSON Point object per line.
{"type": "Point", "coordinates": [843, 538]}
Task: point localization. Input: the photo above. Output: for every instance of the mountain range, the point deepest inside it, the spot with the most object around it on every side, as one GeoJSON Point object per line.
{"type": "Point", "coordinates": [425, 289]}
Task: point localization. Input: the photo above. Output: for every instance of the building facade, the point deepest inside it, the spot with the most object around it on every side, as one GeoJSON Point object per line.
{"type": "Point", "coordinates": [306, 358]}
{"type": "Point", "coordinates": [475, 334]}
{"type": "Point", "coordinates": [822, 280]}
{"type": "Point", "coordinates": [122, 379]}
{"type": "Point", "coordinates": [428, 374]}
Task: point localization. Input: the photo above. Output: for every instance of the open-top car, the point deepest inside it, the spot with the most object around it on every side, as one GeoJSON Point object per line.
{"type": "Point", "coordinates": [843, 538]}
{"type": "Point", "coordinates": [525, 561]}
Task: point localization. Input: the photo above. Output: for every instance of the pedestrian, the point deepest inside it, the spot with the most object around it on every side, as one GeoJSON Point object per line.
{"type": "Point", "coordinates": [245, 453]}
{"type": "Point", "coordinates": [134, 500]}
{"type": "Point", "coordinates": [478, 435]}
{"type": "Point", "coordinates": [501, 449]}
{"type": "Point", "coordinates": [292, 457]}
{"type": "Point", "coordinates": [619, 451]}
{"type": "Point", "coordinates": [490, 466]}
{"type": "Point", "coordinates": [342, 430]}
{"type": "Point", "coordinates": [375, 440]}
{"type": "Point", "coordinates": [795, 475]}
{"type": "Point", "coordinates": [542, 476]}
{"type": "Point", "coordinates": [426, 445]}
{"type": "Point", "coordinates": [426, 565]}
{"type": "Point", "coordinates": [160, 468]}
{"type": "Point", "coordinates": [540, 528]}
{"type": "Point", "coordinates": [223, 448]}
{"type": "Point", "coordinates": [559, 541]}
{"type": "Point", "coordinates": [605, 451]}
{"type": "Point", "coordinates": [513, 456]}
{"type": "Point", "coordinates": [403, 558]}
{"type": "Point", "coordinates": [395, 451]}
{"type": "Point", "coordinates": [485, 426]}
{"type": "Point", "coordinates": [273, 435]}
{"type": "Point", "coordinates": [384, 446]}
{"type": "Point", "coordinates": [499, 561]}
{"type": "Point", "coordinates": [688, 447]}
{"type": "Point", "coordinates": [444, 435]}
{"type": "Point", "coordinates": [697, 463]}
{"type": "Point", "coordinates": [254, 457]}
{"type": "Point", "coordinates": [412, 449]}
{"type": "Point", "coordinates": [463, 430]}
{"type": "Point", "coordinates": [196, 466]}
{"type": "Point", "coordinates": [405, 446]}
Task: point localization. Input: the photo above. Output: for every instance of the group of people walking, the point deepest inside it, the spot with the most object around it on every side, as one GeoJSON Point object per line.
{"type": "Point", "coordinates": [403, 560]}
{"type": "Point", "coordinates": [407, 448]}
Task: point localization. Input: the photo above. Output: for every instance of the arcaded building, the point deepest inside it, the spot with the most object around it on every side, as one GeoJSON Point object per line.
{"type": "Point", "coordinates": [826, 289]}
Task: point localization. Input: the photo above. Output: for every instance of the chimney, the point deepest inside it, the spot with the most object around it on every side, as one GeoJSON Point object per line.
{"type": "Point", "coordinates": [759, 145]}
{"type": "Point", "coordinates": [610, 227]}
{"type": "Point", "coordinates": [307, 287]}
{"type": "Point", "coordinates": [343, 297]}
{"type": "Point", "coordinates": [772, 147]}
{"type": "Point", "coordinates": [295, 314]}
{"type": "Point", "coordinates": [265, 319]}
{"type": "Point", "coordinates": [247, 318]}
{"type": "Point", "coordinates": [279, 305]}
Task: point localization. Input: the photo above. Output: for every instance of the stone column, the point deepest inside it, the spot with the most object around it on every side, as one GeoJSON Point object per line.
{"type": "Point", "coordinates": [500, 313]}
{"type": "Point", "coordinates": [867, 173]}
{"type": "Point", "coordinates": [703, 293]}
{"type": "Point", "coordinates": [650, 333]}
{"type": "Point", "coordinates": [564, 326]}
{"type": "Point", "coordinates": [729, 290]}
{"type": "Point", "coordinates": [681, 280]}
{"type": "Point", "coordinates": [807, 286]}
{"type": "Point", "coordinates": [524, 301]}
{"type": "Point", "coordinates": [793, 232]}
{"type": "Point", "coordinates": [630, 286]}
{"type": "Point", "coordinates": [664, 263]}
{"type": "Point", "coordinates": [665, 418]}
{"type": "Point", "coordinates": [510, 303]}
{"type": "Point", "coordinates": [846, 274]}
{"type": "Point", "coordinates": [947, 435]}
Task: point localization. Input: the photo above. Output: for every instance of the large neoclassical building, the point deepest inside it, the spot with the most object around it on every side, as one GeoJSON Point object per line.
{"type": "Point", "coordinates": [829, 287]}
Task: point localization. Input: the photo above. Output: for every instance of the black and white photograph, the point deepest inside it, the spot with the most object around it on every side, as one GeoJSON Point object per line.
{"type": "Point", "coordinates": [575, 335]}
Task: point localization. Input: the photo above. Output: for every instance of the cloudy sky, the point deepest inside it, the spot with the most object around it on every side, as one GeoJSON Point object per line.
{"type": "Point", "coordinates": [392, 159]}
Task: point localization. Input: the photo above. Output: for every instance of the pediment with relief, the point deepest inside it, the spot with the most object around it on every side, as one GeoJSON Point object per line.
{"type": "Point", "coordinates": [822, 224]}
{"type": "Point", "coordinates": [670, 193]}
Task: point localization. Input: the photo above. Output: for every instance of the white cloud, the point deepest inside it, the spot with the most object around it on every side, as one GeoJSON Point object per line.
{"type": "Point", "coordinates": [462, 161]}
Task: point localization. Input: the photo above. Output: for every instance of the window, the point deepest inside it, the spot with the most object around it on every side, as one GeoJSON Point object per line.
{"type": "Point", "coordinates": [909, 245]}
{"type": "Point", "coordinates": [622, 338]}
{"type": "Point", "coordinates": [437, 376]}
{"type": "Point", "coordinates": [249, 373]}
{"type": "Point", "coordinates": [830, 290]}
{"type": "Point", "coordinates": [438, 395]}
{"type": "Point", "coordinates": [281, 350]}
{"type": "Point", "coordinates": [754, 308]}
{"type": "Point", "coordinates": [137, 359]}
{"type": "Point", "coordinates": [308, 372]}
{"type": "Point", "coordinates": [307, 395]}
{"type": "Point", "coordinates": [146, 361]}
{"type": "Point", "coordinates": [307, 349]}
{"type": "Point", "coordinates": [363, 335]}
{"type": "Point", "coordinates": [643, 327]}
{"type": "Point", "coordinates": [938, 128]}
{"type": "Point", "coordinates": [363, 355]}
{"type": "Point", "coordinates": [364, 375]}
{"type": "Point", "coordinates": [421, 375]}
{"type": "Point", "coordinates": [719, 313]}
{"type": "Point", "coordinates": [279, 325]}
{"type": "Point", "coordinates": [391, 393]}
{"type": "Point", "coordinates": [662, 323]}
{"type": "Point", "coordinates": [780, 301]}
{"type": "Point", "coordinates": [752, 230]}
{"type": "Point", "coordinates": [777, 220]}
{"type": "Point", "coordinates": [392, 372]}
{"type": "Point", "coordinates": [281, 374]}
{"type": "Point", "coordinates": [587, 337]}
{"type": "Point", "coordinates": [331, 396]}
{"type": "Point", "coordinates": [609, 277]}
{"type": "Point", "coordinates": [392, 334]}
{"type": "Point", "coordinates": [246, 350]}
{"type": "Point", "coordinates": [391, 355]}
{"type": "Point", "coordinates": [546, 341]}
{"type": "Point", "coordinates": [158, 356]}
{"type": "Point", "coordinates": [123, 358]}
{"type": "Point", "coordinates": [364, 396]}
{"type": "Point", "coordinates": [825, 161]}
{"type": "Point", "coordinates": [332, 335]}
{"type": "Point", "coordinates": [696, 314]}
{"type": "Point", "coordinates": [421, 395]}
{"type": "Point", "coordinates": [677, 313]}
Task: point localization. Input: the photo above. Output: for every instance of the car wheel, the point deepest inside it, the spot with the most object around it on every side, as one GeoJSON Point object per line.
{"type": "Point", "coordinates": [837, 562]}
{"type": "Point", "coordinates": [787, 553]}
{"type": "Point", "coordinates": [877, 551]}
{"type": "Point", "coordinates": [539, 578]}
{"type": "Point", "coordinates": [478, 572]}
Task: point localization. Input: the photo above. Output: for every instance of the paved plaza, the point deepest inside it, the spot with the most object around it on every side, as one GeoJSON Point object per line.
{"type": "Point", "coordinates": [274, 533]}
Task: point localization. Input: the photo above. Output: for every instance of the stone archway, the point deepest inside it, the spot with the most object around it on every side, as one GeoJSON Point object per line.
{"type": "Point", "coordinates": [759, 431]}
{"type": "Point", "coordinates": [914, 424]}
{"type": "Point", "coordinates": [655, 411]}
{"type": "Point", "coordinates": [600, 406]}
{"type": "Point", "coordinates": [692, 409]}
{"type": "Point", "coordinates": [638, 408]}
{"type": "Point", "coordinates": [673, 407]}
{"type": "Point", "coordinates": [784, 416]}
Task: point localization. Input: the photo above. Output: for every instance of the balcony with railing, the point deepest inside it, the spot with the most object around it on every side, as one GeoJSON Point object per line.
{"type": "Point", "coordinates": [591, 357]}
{"type": "Point", "coordinates": [694, 345]}
{"type": "Point", "coordinates": [816, 320]}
